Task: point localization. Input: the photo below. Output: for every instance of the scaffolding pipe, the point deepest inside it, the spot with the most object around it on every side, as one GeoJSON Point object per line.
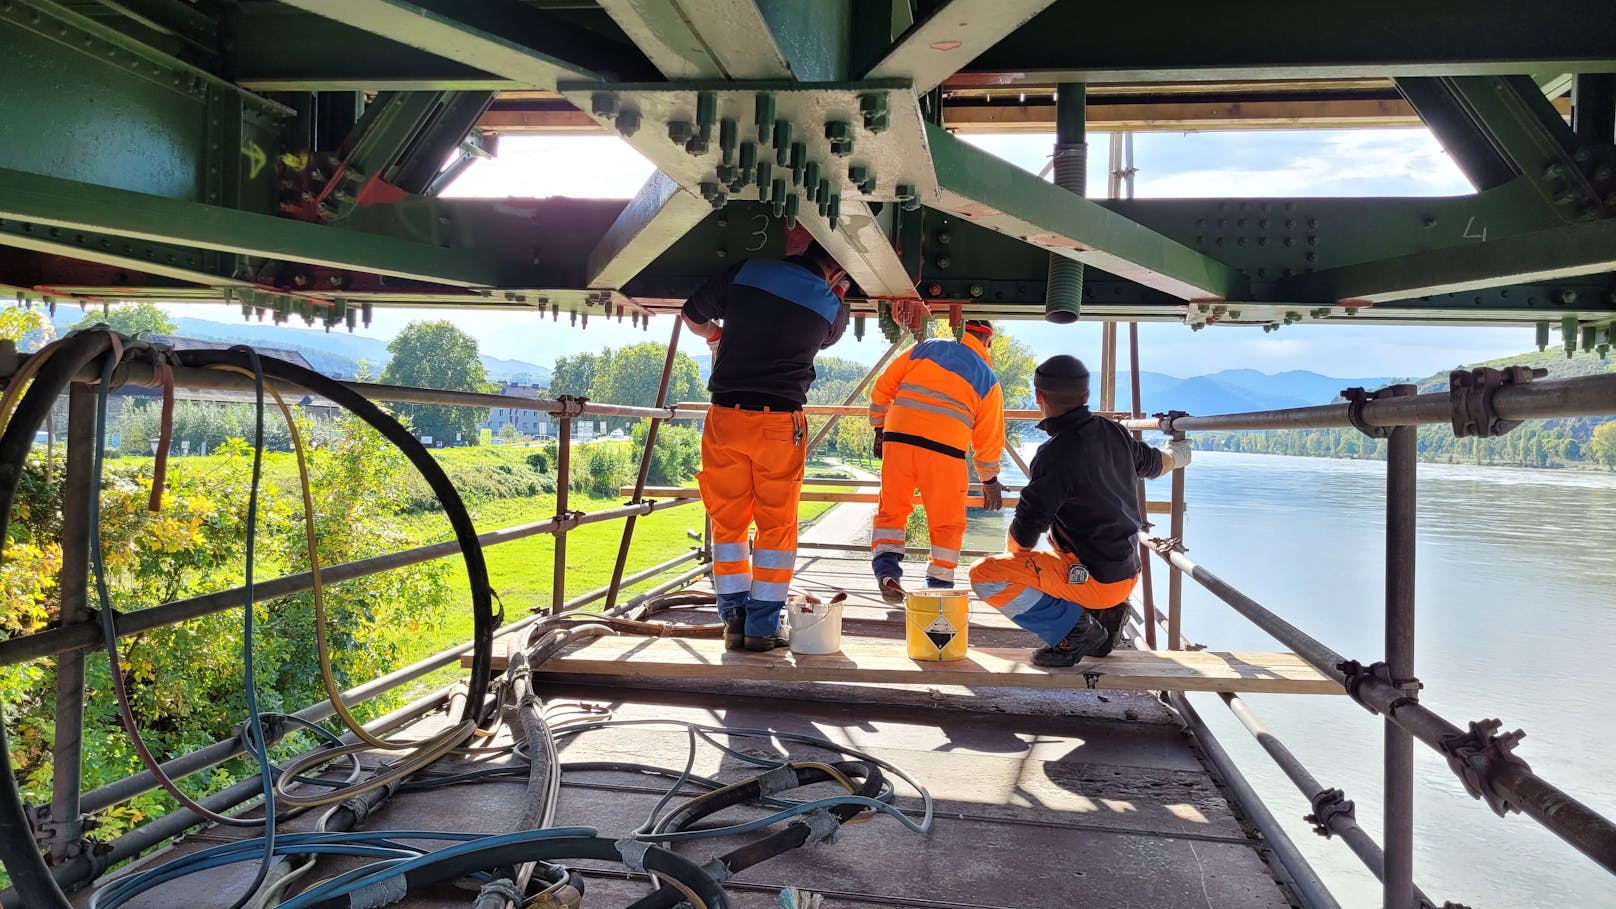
{"type": "Point", "coordinates": [1402, 456]}
{"type": "Point", "coordinates": [1147, 596]}
{"type": "Point", "coordinates": [1581, 396]}
{"type": "Point", "coordinates": [1303, 880]}
{"type": "Point", "coordinates": [558, 574]}
{"type": "Point", "coordinates": [1339, 823]}
{"type": "Point", "coordinates": [66, 827]}
{"type": "Point", "coordinates": [645, 465]}
{"type": "Point", "coordinates": [75, 637]}
{"type": "Point", "coordinates": [1523, 790]}
{"type": "Point", "coordinates": [830, 424]}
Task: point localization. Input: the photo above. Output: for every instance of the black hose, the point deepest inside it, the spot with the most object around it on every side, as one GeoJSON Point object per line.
{"type": "Point", "coordinates": [485, 621]}
{"type": "Point", "coordinates": [29, 873]}
{"type": "Point", "coordinates": [656, 860]}
{"type": "Point", "coordinates": [775, 844]}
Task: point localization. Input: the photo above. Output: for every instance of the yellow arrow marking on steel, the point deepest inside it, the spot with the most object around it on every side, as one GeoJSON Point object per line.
{"type": "Point", "coordinates": [255, 157]}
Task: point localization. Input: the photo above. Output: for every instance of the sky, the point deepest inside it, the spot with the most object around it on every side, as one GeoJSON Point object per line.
{"type": "Point", "coordinates": [1381, 162]}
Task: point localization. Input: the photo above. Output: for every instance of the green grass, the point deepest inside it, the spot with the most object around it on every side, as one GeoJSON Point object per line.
{"type": "Point", "coordinates": [521, 570]}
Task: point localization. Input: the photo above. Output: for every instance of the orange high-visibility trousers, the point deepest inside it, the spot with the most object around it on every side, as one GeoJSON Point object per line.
{"type": "Point", "coordinates": [1031, 588]}
{"type": "Point", "coordinates": [751, 470]}
{"type": "Point", "coordinates": [942, 482]}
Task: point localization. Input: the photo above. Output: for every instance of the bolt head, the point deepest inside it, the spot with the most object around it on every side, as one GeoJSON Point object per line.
{"type": "Point", "coordinates": [628, 122]}
{"type": "Point", "coordinates": [679, 132]}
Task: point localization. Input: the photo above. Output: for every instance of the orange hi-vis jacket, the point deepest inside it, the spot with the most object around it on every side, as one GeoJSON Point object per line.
{"type": "Point", "coordinates": [942, 395]}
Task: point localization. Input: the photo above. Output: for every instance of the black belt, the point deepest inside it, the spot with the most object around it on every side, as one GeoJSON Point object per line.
{"type": "Point", "coordinates": [922, 442]}
{"type": "Point", "coordinates": [760, 408]}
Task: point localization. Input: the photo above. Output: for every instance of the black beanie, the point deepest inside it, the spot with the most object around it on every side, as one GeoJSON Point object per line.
{"type": "Point", "coordinates": [1062, 374]}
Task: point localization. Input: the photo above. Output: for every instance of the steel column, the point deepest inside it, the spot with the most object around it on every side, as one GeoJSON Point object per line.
{"type": "Point", "coordinates": [558, 579]}
{"type": "Point", "coordinates": [67, 752]}
{"type": "Point", "coordinates": [1402, 459]}
{"type": "Point", "coordinates": [645, 465]}
{"type": "Point", "coordinates": [1593, 107]}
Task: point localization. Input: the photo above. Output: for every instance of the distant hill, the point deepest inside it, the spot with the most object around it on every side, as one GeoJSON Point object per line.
{"type": "Point", "coordinates": [1235, 390]}
{"type": "Point", "coordinates": [335, 353]}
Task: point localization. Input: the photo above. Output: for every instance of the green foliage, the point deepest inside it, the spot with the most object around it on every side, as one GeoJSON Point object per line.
{"type": "Point", "coordinates": [130, 319]}
{"type": "Point", "coordinates": [184, 681]}
{"type": "Point", "coordinates": [207, 425]}
{"type": "Point", "coordinates": [438, 355]}
{"type": "Point", "coordinates": [1603, 445]}
{"type": "Point", "coordinates": [630, 375]}
{"type": "Point", "coordinates": [854, 437]}
{"type": "Point", "coordinates": [676, 457]}
{"type": "Point", "coordinates": [600, 469]}
{"type": "Point", "coordinates": [575, 375]}
{"type": "Point", "coordinates": [17, 323]}
{"type": "Point", "coordinates": [480, 474]}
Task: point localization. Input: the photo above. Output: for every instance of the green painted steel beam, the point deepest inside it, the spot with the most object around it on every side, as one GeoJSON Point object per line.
{"type": "Point", "coordinates": [1546, 255]}
{"type": "Point", "coordinates": [702, 39]}
{"type": "Point", "coordinates": [656, 218]}
{"type": "Point", "coordinates": [549, 48]}
{"type": "Point", "coordinates": [281, 48]}
{"type": "Point", "coordinates": [1000, 196]}
{"type": "Point", "coordinates": [71, 206]}
{"type": "Point", "coordinates": [1190, 40]}
{"type": "Point", "coordinates": [953, 35]}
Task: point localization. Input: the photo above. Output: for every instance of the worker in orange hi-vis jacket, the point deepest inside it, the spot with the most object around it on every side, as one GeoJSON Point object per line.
{"type": "Point", "coordinates": [765, 320]}
{"type": "Point", "coordinates": [935, 400]}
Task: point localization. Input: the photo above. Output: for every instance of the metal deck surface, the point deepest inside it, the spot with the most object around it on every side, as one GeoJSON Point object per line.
{"type": "Point", "coordinates": [1043, 798]}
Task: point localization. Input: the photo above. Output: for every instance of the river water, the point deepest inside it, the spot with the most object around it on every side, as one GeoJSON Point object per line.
{"type": "Point", "coordinates": [1516, 587]}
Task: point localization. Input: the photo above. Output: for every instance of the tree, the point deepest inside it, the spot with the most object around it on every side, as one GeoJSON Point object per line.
{"type": "Point", "coordinates": [438, 355]}
{"type": "Point", "coordinates": [631, 374]}
{"type": "Point", "coordinates": [131, 319]}
{"type": "Point", "coordinates": [575, 375]}
{"type": "Point", "coordinates": [1603, 444]}
{"type": "Point", "coordinates": [854, 437]}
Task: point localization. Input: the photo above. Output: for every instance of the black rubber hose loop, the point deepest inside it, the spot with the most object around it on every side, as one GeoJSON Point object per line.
{"type": "Point", "coordinates": [485, 622]}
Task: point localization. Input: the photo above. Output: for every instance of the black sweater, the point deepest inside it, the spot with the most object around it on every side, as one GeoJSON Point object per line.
{"type": "Point", "coordinates": [1082, 489]}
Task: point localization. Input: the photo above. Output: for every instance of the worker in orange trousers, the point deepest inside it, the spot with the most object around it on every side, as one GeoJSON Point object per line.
{"type": "Point", "coordinates": [1081, 489]}
{"type": "Point", "coordinates": [931, 403]}
{"type": "Point", "coordinates": [764, 320]}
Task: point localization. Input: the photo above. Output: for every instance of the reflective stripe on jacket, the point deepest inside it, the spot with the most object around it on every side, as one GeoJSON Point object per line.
{"type": "Point", "coordinates": [943, 395]}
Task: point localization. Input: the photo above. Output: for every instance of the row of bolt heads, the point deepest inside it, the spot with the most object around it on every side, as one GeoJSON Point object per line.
{"type": "Point", "coordinates": [740, 166]}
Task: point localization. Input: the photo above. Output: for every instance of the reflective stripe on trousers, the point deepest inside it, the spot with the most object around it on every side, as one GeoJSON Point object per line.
{"type": "Point", "coordinates": [941, 480]}
{"type": "Point", "coordinates": [1030, 589]}
{"type": "Point", "coordinates": [751, 472]}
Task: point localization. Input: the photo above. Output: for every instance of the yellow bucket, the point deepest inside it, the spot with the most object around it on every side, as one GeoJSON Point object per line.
{"type": "Point", "coordinates": [937, 624]}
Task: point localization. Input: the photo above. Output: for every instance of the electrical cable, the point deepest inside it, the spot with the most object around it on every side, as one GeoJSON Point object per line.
{"type": "Point", "coordinates": [424, 751]}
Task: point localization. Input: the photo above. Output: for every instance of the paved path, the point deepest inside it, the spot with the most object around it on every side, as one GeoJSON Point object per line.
{"type": "Point", "coordinates": [848, 522]}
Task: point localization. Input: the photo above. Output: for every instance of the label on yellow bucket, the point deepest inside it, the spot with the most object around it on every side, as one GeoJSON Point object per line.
{"type": "Point", "coordinates": [937, 624]}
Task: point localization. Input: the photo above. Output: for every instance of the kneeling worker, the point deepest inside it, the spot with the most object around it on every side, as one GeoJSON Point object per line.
{"type": "Point", "coordinates": [776, 315]}
{"type": "Point", "coordinates": [1082, 490]}
{"type": "Point", "coordinates": [935, 399]}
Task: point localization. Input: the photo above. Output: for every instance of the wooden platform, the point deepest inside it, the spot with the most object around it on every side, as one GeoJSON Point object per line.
{"type": "Point", "coordinates": [884, 661]}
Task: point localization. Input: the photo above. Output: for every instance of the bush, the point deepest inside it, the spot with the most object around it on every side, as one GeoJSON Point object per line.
{"type": "Point", "coordinates": [601, 469]}
{"type": "Point", "coordinates": [481, 475]}
{"type": "Point", "coordinates": [677, 455]}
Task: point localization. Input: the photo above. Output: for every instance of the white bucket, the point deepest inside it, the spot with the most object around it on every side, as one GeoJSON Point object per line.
{"type": "Point", "coordinates": [816, 628]}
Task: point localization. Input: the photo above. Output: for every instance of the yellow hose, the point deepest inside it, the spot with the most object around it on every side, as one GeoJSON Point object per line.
{"type": "Point", "coordinates": [426, 751]}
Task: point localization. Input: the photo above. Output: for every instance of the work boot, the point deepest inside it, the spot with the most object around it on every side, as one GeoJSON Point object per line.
{"type": "Point", "coordinates": [735, 630]}
{"type": "Point", "coordinates": [1086, 638]}
{"type": "Point", "coordinates": [1112, 621]}
{"type": "Point", "coordinates": [892, 591]}
{"type": "Point", "coordinates": [765, 643]}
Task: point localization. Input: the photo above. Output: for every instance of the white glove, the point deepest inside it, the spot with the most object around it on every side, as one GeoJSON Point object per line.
{"type": "Point", "coordinates": [1175, 455]}
{"type": "Point", "coordinates": [712, 343]}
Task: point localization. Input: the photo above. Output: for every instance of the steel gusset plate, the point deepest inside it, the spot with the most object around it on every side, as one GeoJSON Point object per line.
{"type": "Point", "coordinates": [895, 153]}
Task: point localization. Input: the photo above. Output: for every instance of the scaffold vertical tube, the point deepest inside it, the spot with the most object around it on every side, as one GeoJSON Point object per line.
{"type": "Point", "coordinates": [1401, 502]}
{"type": "Point", "coordinates": [67, 752]}
{"type": "Point", "coordinates": [1147, 595]}
{"type": "Point", "coordinates": [558, 581]}
{"type": "Point", "coordinates": [1063, 298]}
{"type": "Point", "coordinates": [645, 466]}
{"type": "Point", "coordinates": [1175, 579]}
